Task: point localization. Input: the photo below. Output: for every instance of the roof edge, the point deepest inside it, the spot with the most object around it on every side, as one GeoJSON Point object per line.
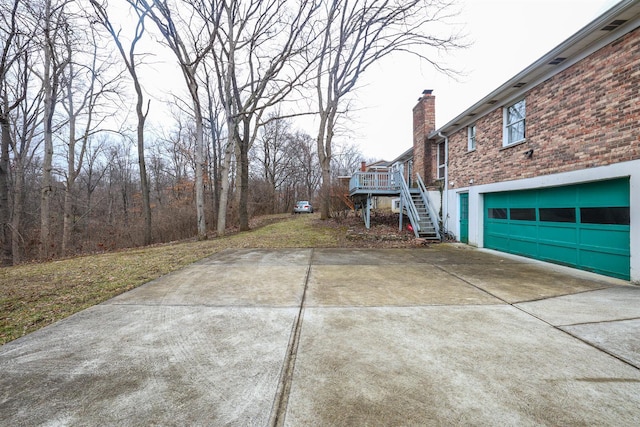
{"type": "Point", "coordinates": [575, 40]}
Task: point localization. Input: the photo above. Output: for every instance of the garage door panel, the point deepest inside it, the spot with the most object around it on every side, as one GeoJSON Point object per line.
{"type": "Point", "coordinates": [605, 263]}
{"type": "Point", "coordinates": [604, 193]}
{"type": "Point", "coordinates": [558, 233]}
{"type": "Point", "coordinates": [499, 241]}
{"type": "Point", "coordinates": [558, 197]}
{"type": "Point", "coordinates": [523, 229]}
{"type": "Point", "coordinates": [523, 246]}
{"type": "Point", "coordinates": [557, 252]}
{"type": "Point", "coordinates": [605, 240]}
{"type": "Point", "coordinates": [523, 237]}
{"type": "Point", "coordinates": [523, 199]}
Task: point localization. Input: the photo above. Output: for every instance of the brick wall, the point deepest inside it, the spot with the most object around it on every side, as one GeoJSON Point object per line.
{"type": "Point", "coordinates": [424, 122]}
{"type": "Point", "coordinates": [586, 116]}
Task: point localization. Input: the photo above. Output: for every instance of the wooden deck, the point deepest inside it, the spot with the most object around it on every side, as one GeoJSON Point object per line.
{"type": "Point", "coordinates": [374, 184]}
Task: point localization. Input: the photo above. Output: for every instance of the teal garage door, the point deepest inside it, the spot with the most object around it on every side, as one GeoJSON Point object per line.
{"type": "Point", "coordinates": [584, 226]}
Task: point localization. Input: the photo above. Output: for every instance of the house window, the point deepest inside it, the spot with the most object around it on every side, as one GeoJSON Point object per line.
{"type": "Point", "coordinates": [471, 138]}
{"type": "Point", "coordinates": [514, 123]}
{"type": "Point", "coordinates": [441, 160]}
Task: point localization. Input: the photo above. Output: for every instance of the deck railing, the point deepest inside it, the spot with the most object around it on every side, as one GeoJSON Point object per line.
{"type": "Point", "coordinates": [373, 181]}
{"type": "Point", "coordinates": [406, 202]}
{"type": "Point", "coordinates": [432, 213]}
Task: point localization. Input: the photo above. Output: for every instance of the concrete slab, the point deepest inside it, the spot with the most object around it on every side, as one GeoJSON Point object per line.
{"type": "Point", "coordinates": [260, 256]}
{"type": "Point", "coordinates": [459, 254]}
{"type": "Point", "coordinates": [479, 365]}
{"type": "Point", "coordinates": [390, 285]}
{"type": "Point", "coordinates": [619, 302]}
{"type": "Point", "coordinates": [618, 338]}
{"type": "Point", "coordinates": [519, 282]}
{"type": "Point", "coordinates": [259, 284]}
{"type": "Point", "coordinates": [361, 256]}
{"type": "Point", "coordinates": [390, 337]}
{"type": "Point", "coordinates": [141, 365]}
{"type": "Point", "coordinates": [436, 254]}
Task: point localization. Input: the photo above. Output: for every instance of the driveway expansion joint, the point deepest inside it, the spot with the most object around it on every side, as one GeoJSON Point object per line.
{"type": "Point", "coordinates": [281, 400]}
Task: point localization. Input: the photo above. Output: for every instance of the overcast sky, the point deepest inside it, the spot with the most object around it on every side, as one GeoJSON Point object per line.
{"type": "Point", "coordinates": [507, 36]}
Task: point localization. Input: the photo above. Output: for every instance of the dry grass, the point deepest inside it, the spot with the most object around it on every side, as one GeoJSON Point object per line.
{"type": "Point", "coordinates": [36, 295]}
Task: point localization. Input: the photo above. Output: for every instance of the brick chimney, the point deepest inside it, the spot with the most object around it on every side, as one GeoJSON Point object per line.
{"type": "Point", "coordinates": [424, 122]}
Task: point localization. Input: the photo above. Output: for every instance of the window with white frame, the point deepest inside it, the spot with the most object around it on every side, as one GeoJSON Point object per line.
{"type": "Point", "coordinates": [471, 138]}
{"type": "Point", "coordinates": [441, 159]}
{"type": "Point", "coordinates": [514, 123]}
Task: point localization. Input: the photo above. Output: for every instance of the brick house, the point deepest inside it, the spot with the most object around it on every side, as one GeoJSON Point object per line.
{"type": "Point", "coordinates": [548, 164]}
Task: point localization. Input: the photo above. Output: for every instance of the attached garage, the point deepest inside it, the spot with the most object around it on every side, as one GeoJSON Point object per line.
{"type": "Point", "coordinates": [586, 226]}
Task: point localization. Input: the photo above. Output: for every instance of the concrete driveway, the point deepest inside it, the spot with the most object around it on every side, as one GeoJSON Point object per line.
{"type": "Point", "coordinates": [335, 337]}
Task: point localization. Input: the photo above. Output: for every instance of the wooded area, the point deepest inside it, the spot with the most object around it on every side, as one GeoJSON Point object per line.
{"type": "Point", "coordinates": [82, 169]}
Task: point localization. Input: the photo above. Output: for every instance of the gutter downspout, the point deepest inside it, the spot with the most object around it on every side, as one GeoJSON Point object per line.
{"type": "Point", "coordinates": [445, 190]}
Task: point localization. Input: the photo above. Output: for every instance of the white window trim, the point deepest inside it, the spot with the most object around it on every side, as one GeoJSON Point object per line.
{"type": "Point", "coordinates": [441, 163]}
{"type": "Point", "coordinates": [505, 125]}
{"type": "Point", "coordinates": [471, 140]}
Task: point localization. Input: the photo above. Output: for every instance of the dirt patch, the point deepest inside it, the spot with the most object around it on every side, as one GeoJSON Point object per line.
{"type": "Point", "coordinates": [383, 233]}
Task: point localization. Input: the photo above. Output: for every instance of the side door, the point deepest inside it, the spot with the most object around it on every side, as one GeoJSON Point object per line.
{"type": "Point", "coordinates": [464, 217]}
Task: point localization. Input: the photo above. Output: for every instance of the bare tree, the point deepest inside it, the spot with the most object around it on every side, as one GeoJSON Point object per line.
{"type": "Point", "coordinates": [13, 49]}
{"type": "Point", "coordinates": [307, 165]}
{"type": "Point", "coordinates": [273, 154]}
{"type": "Point", "coordinates": [129, 58]}
{"type": "Point", "coordinates": [346, 159]}
{"type": "Point", "coordinates": [120, 175]}
{"type": "Point", "coordinates": [93, 171]}
{"type": "Point", "coordinates": [27, 134]}
{"type": "Point", "coordinates": [54, 20]}
{"type": "Point", "coordinates": [217, 138]}
{"type": "Point", "coordinates": [85, 86]}
{"type": "Point", "coordinates": [357, 34]}
{"type": "Point", "coordinates": [190, 40]}
{"type": "Point", "coordinates": [258, 58]}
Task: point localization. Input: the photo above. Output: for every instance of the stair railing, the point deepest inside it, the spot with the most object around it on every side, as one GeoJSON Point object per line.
{"type": "Point", "coordinates": [432, 213]}
{"type": "Point", "coordinates": [407, 201]}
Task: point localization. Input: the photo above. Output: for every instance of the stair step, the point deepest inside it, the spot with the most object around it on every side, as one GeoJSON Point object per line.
{"type": "Point", "coordinates": [425, 224]}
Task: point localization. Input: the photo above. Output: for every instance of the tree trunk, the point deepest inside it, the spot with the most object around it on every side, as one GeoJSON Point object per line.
{"type": "Point", "coordinates": [243, 209]}
{"type": "Point", "coordinates": [325, 136]}
{"type": "Point", "coordinates": [144, 180]}
{"type": "Point", "coordinates": [18, 208]}
{"type": "Point", "coordinates": [202, 224]}
{"type": "Point", "coordinates": [50, 93]}
{"type": "Point", "coordinates": [6, 257]}
{"type": "Point", "coordinates": [224, 188]}
{"type": "Point", "coordinates": [214, 172]}
{"type": "Point", "coordinates": [67, 222]}
{"type": "Point", "coordinates": [325, 189]}
{"type": "Point", "coordinates": [46, 187]}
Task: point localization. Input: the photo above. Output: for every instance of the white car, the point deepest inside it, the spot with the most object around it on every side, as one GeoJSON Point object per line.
{"type": "Point", "coordinates": [303, 207]}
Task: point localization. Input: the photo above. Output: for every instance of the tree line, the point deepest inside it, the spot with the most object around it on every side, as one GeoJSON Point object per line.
{"type": "Point", "coordinates": [82, 168]}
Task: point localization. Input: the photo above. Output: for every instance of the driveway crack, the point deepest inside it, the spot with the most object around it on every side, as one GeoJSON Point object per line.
{"type": "Point", "coordinates": [281, 400]}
